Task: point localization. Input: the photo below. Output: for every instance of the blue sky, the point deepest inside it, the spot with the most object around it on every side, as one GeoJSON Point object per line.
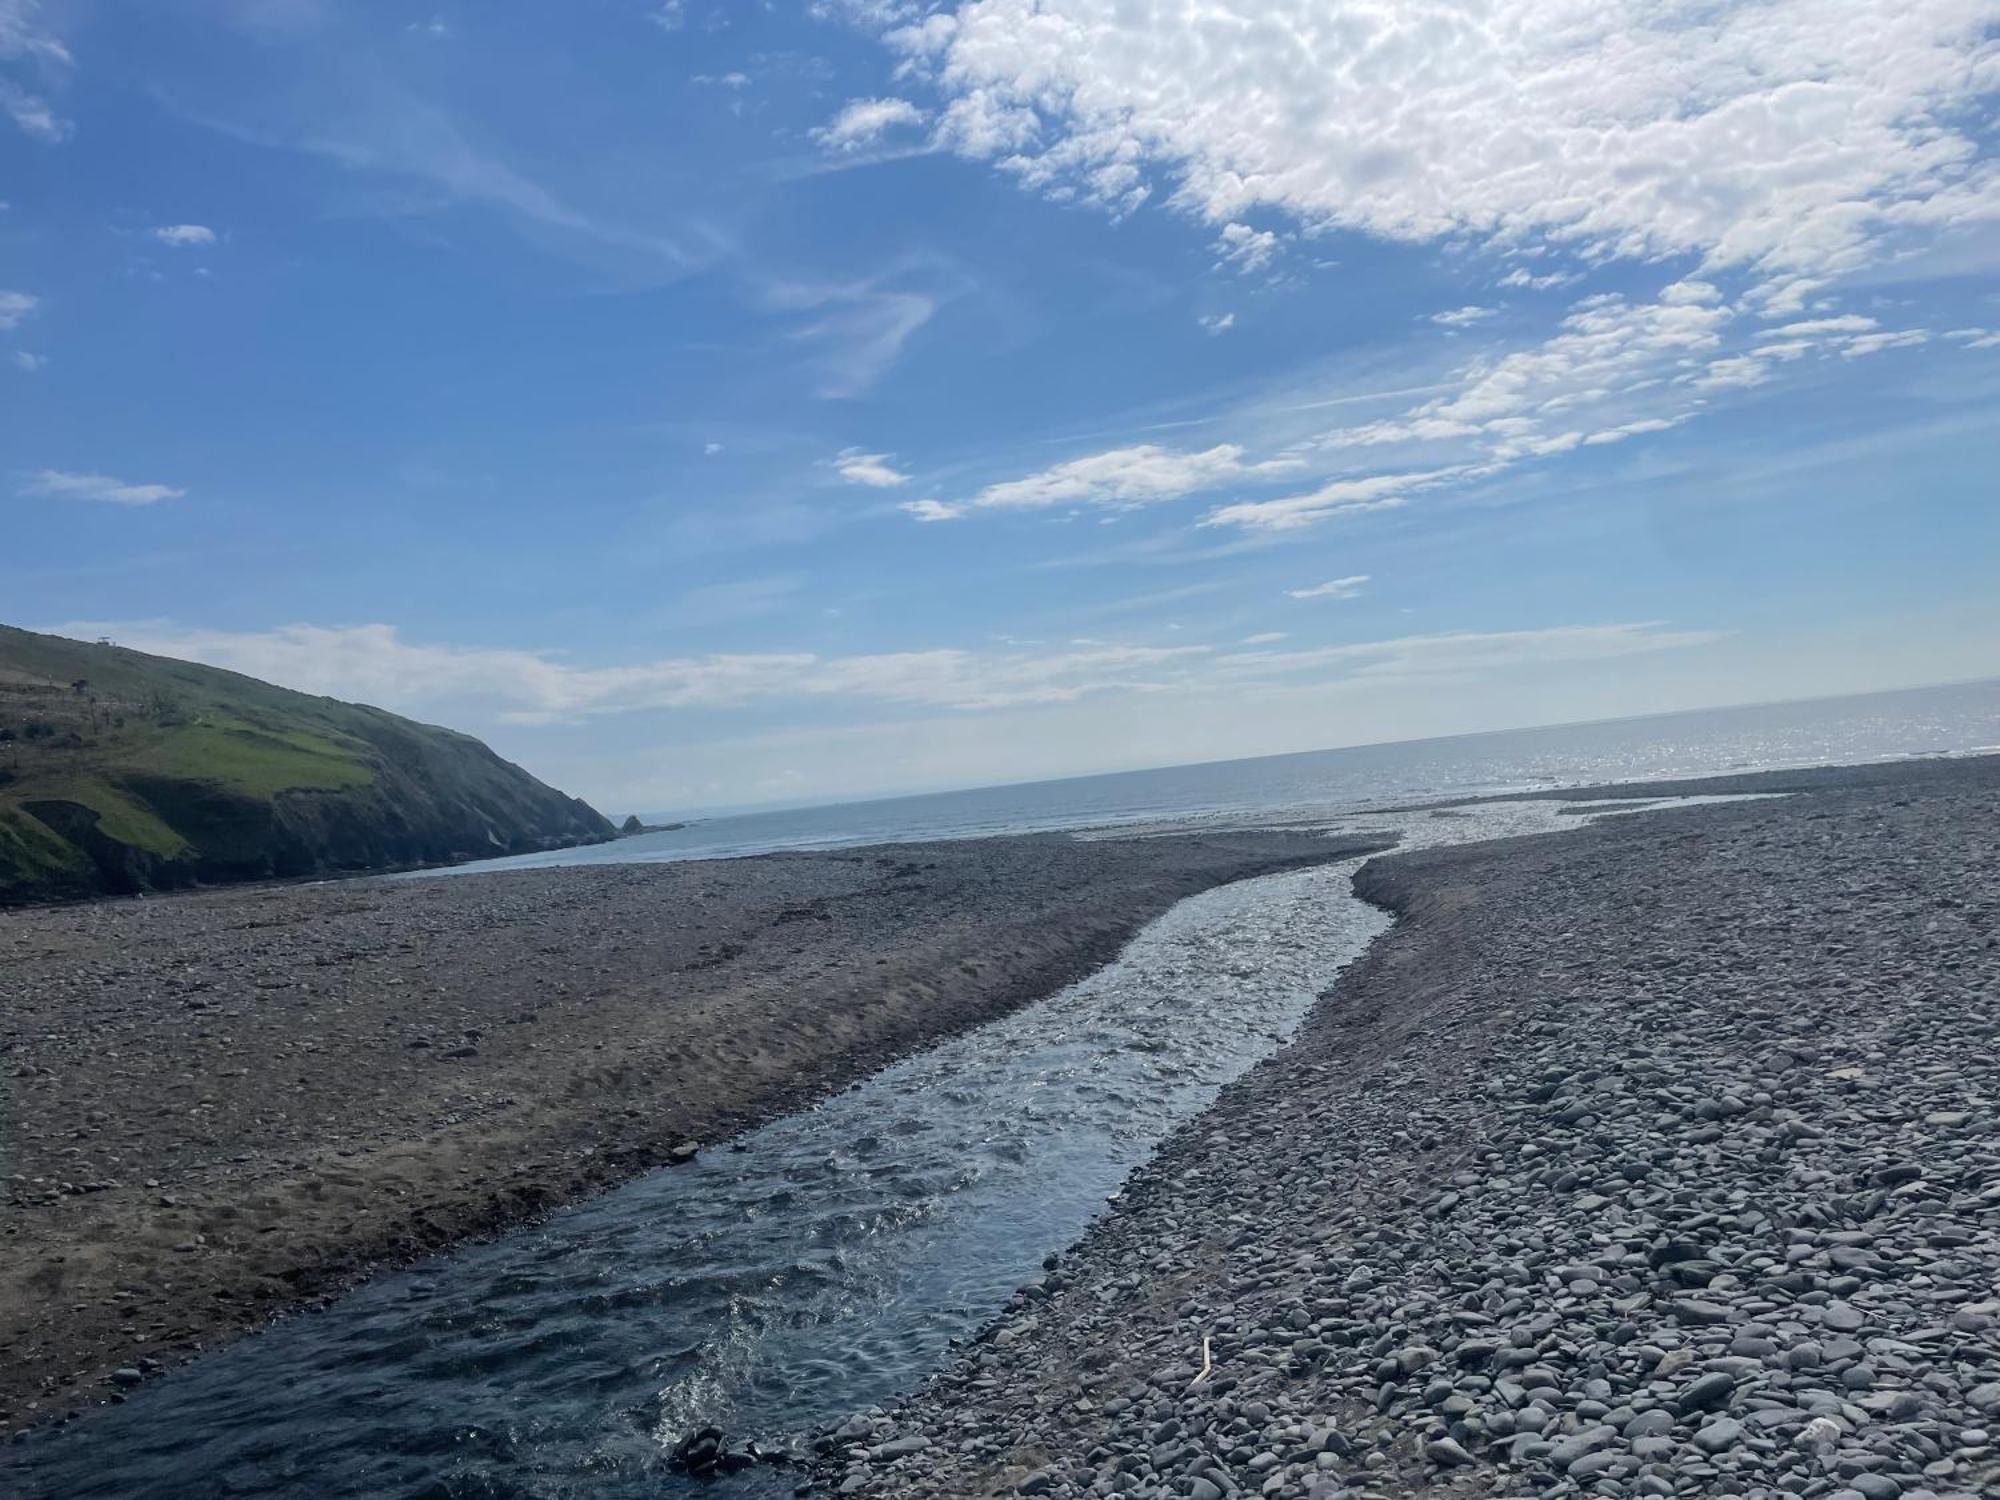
{"type": "Point", "coordinates": [717, 403]}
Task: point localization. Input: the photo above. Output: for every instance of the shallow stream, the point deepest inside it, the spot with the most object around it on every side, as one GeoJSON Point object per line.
{"type": "Point", "coordinates": [814, 1267]}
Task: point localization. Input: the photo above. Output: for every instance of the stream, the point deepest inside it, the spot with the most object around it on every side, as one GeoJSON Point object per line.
{"type": "Point", "coordinates": [813, 1267]}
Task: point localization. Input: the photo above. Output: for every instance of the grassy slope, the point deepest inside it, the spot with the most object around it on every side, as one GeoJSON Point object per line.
{"type": "Point", "coordinates": [155, 752]}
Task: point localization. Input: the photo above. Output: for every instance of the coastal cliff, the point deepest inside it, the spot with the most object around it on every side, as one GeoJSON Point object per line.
{"type": "Point", "coordinates": [122, 772]}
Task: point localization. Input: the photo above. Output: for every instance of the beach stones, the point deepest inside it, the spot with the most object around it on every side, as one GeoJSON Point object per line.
{"type": "Point", "coordinates": [706, 1452]}
{"type": "Point", "coordinates": [1710, 1393]}
{"type": "Point", "coordinates": [700, 1452]}
{"type": "Point", "coordinates": [1680, 1177]}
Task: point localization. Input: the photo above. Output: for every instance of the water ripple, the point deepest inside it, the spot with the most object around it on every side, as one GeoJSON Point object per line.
{"type": "Point", "coordinates": [823, 1263]}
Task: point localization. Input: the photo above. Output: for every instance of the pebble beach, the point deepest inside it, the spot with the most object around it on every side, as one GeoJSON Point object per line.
{"type": "Point", "coordinates": [219, 1107]}
{"type": "Point", "coordinates": [1658, 1159]}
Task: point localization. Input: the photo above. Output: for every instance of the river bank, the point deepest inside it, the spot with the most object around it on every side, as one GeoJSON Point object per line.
{"type": "Point", "coordinates": [1662, 1158]}
{"type": "Point", "coordinates": [223, 1105]}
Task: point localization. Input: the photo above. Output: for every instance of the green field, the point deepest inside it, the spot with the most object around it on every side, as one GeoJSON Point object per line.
{"type": "Point", "coordinates": [120, 770]}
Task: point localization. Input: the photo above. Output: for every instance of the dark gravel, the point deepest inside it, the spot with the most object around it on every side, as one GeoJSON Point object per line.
{"type": "Point", "coordinates": [214, 1107]}
{"type": "Point", "coordinates": [1657, 1159]}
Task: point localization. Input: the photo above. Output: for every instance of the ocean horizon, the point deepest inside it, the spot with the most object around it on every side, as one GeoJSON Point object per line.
{"type": "Point", "coordinates": [1949, 719]}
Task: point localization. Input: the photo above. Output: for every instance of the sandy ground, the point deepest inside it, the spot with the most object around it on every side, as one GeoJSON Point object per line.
{"type": "Point", "coordinates": [1661, 1158]}
{"type": "Point", "coordinates": [220, 1105]}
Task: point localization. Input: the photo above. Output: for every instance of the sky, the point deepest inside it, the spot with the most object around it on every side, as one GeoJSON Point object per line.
{"type": "Point", "coordinates": [715, 403]}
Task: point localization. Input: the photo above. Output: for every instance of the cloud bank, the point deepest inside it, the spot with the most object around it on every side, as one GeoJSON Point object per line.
{"type": "Point", "coordinates": [1787, 137]}
{"type": "Point", "coordinates": [374, 664]}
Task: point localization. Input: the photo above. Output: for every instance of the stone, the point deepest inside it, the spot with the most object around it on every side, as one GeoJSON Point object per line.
{"type": "Point", "coordinates": [1710, 1393]}
{"type": "Point", "coordinates": [1721, 1434]}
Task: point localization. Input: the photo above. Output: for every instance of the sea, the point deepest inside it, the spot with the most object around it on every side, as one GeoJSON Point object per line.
{"type": "Point", "coordinates": [1958, 719]}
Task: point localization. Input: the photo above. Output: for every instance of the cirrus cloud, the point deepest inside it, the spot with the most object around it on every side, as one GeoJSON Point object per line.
{"type": "Point", "coordinates": [1122, 477]}
{"type": "Point", "coordinates": [1336, 588]}
{"type": "Point", "coordinates": [31, 58]}
{"type": "Point", "coordinates": [61, 484]}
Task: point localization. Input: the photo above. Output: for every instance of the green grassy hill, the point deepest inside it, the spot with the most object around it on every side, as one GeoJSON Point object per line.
{"type": "Point", "coordinates": [124, 772]}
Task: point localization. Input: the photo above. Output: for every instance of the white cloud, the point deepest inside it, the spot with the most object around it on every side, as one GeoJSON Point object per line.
{"type": "Point", "coordinates": [1138, 475]}
{"type": "Point", "coordinates": [1336, 498]}
{"type": "Point", "coordinates": [1625, 430]}
{"type": "Point", "coordinates": [32, 113]}
{"type": "Point", "coordinates": [1790, 137]}
{"type": "Point", "coordinates": [1875, 343]}
{"type": "Point", "coordinates": [1337, 588]}
{"type": "Point", "coordinates": [1265, 637]}
{"type": "Point", "coordinates": [710, 450]}
{"type": "Point", "coordinates": [668, 15]}
{"type": "Point", "coordinates": [1849, 323]}
{"type": "Point", "coordinates": [931, 510]}
{"type": "Point", "coordinates": [61, 484]}
{"type": "Point", "coordinates": [1975, 338]}
{"type": "Point", "coordinates": [1690, 293]}
{"type": "Point", "coordinates": [37, 59]}
{"type": "Point", "coordinates": [24, 360]}
{"type": "Point", "coordinates": [1475, 652]}
{"type": "Point", "coordinates": [872, 469]}
{"type": "Point", "coordinates": [1217, 323]}
{"type": "Point", "coordinates": [863, 122]}
{"type": "Point", "coordinates": [1774, 147]}
{"type": "Point", "coordinates": [14, 306]}
{"type": "Point", "coordinates": [1521, 276]}
{"type": "Point", "coordinates": [374, 664]}
{"type": "Point", "coordinates": [1613, 370]}
{"type": "Point", "coordinates": [1612, 365]}
{"type": "Point", "coordinates": [184, 236]}
{"type": "Point", "coordinates": [1785, 296]}
{"type": "Point", "coordinates": [1245, 248]}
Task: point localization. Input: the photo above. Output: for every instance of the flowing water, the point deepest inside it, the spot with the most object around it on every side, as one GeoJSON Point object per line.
{"type": "Point", "coordinates": [820, 1264]}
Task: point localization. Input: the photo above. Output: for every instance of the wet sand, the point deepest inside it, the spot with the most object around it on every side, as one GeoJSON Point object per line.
{"type": "Point", "coordinates": [218, 1106]}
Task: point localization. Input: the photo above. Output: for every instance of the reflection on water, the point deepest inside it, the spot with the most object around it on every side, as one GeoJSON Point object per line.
{"type": "Point", "coordinates": [1328, 783]}
{"type": "Point", "coordinates": [820, 1264]}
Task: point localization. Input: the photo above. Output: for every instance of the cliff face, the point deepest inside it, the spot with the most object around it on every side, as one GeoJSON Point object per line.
{"type": "Point", "coordinates": [122, 772]}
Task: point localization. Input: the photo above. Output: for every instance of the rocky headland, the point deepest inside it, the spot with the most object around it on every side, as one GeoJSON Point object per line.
{"type": "Point", "coordinates": [123, 773]}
